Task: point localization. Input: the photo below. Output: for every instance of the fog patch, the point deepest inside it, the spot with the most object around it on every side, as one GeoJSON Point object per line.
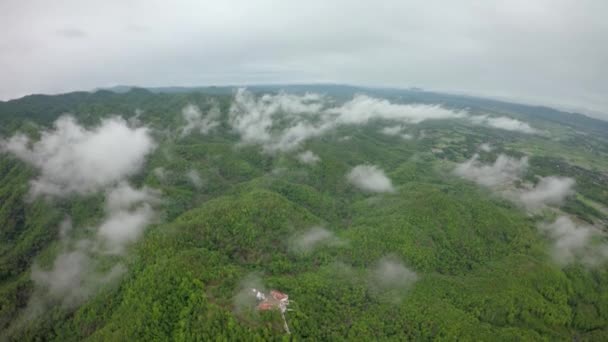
{"type": "Point", "coordinates": [197, 122]}
{"type": "Point", "coordinates": [503, 172]}
{"type": "Point", "coordinates": [486, 147]}
{"type": "Point", "coordinates": [308, 157]}
{"type": "Point", "coordinates": [73, 277]}
{"type": "Point", "coordinates": [394, 130]}
{"type": "Point", "coordinates": [244, 300]}
{"type": "Point", "coordinates": [195, 178]}
{"type": "Point", "coordinates": [128, 212]}
{"type": "Point", "coordinates": [548, 191]}
{"type": "Point", "coordinates": [78, 270]}
{"type": "Point", "coordinates": [281, 122]}
{"type": "Point", "coordinates": [160, 173]}
{"type": "Point", "coordinates": [362, 108]}
{"type": "Point", "coordinates": [315, 237]}
{"type": "Point", "coordinates": [574, 242]}
{"type": "Point", "coordinates": [74, 159]}
{"type": "Point", "coordinates": [503, 122]}
{"type": "Point", "coordinates": [389, 279]}
{"type": "Point", "coordinates": [370, 178]}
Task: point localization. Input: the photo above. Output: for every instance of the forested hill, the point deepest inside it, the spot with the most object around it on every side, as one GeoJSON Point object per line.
{"type": "Point", "coordinates": [152, 214]}
{"type": "Point", "coordinates": [46, 107]}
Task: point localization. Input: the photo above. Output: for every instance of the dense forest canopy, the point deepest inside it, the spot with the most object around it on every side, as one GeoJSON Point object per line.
{"type": "Point", "coordinates": [151, 214]}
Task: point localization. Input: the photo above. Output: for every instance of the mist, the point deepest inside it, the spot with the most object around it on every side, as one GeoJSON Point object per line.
{"type": "Point", "coordinates": [370, 178]}
{"type": "Point", "coordinates": [308, 157]}
{"type": "Point", "coordinates": [389, 279]}
{"type": "Point", "coordinates": [313, 238]}
{"type": "Point", "coordinates": [73, 159]}
{"type": "Point", "coordinates": [282, 122]}
{"type": "Point", "coordinates": [575, 242]}
{"type": "Point", "coordinates": [196, 121]}
{"type": "Point", "coordinates": [502, 173]}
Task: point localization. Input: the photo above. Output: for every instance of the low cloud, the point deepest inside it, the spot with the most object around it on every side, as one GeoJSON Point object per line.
{"type": "Point", "coordinates": [74, 159]}
{"type": "Point", "coordinates": [574, 242]}
{"type": "Point", "coordinates": [503, 122]}
{"type": "Point", "coordinates": [195, 178]}
{"type": "Point", "coordinates": [548, 191]}
{"type": "Point", "coordinates": [390, 279]}
{"type": "Point", "coordinates": [503, 172]}
{"type": "Point", "coordinates": [245, 300]}
{"type": "Point", "coordinates": [308, 157]}
{"type": "Point", "coordinates": [393, 130]}
{"type": "Point", "coordinates": [486, 147]}
{"type": "Point", "coordinates": [73, 277]}
{"type": "Point", "coordinates": [128, 212]}
{"type": "Point", "coordinates": [77, 271]}
{"type": "Point", "coordinates": [282, 122]}
{"type": "Point", "coordinates": [362, 108]}
{"type": "Point", "coordinates": [370, 178]}
{"type": "Point", "coordinates": [306, 242]}
{"type": "Point", "coordinates": [196, 121]}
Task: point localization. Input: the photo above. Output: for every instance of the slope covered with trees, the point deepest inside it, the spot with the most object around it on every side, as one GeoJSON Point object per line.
{"type": "Point", "coordinates": [434, 256]}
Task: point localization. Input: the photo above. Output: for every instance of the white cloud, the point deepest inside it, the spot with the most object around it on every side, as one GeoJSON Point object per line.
{"type": "Point", "coordinates": [548, 191]}
{"type": "Point", "coordinates": [362, 108]}
{"type": "Point", "coordinates": [574, 242]}
{"type": "Point", "coordinates": [390, 276]}
{"type": "Point", "coordinates": [308, 157]}
{"type": "Point", "coordinates": [128, 212]}
{"type": "Point", "coordinates": [370, 178]}
{"type": "Point", "coordinates": [195, 178]}
{"type": "Point", "coordinates": [503, 172]}
{"type": "Point", "coordinates": [282, 122]}
{"type": "Point", "coordinates": [393, 130]}
{"type": "Point", "coordinates": [196, 121]}
{"type": "Point", "coordinates": [74, 159]}
{"type": "Point", "coordinates": [306, 242]}
{"type": "Point", "coordinates": [503, 122]}
{"type": "Point", "coordinates": [486, 147]}
{"type": "Point", "coordinates": [73, 277]}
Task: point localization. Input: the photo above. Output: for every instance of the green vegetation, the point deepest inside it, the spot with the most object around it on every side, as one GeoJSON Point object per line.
{"type": "Point", "coordinates": [484, 270]}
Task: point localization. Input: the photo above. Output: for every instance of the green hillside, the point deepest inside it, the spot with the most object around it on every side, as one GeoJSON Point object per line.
{"type": "Point", "coordinates": [436, 256]}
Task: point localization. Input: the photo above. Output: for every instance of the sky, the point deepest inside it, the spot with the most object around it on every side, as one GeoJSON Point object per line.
{"type": "Point", "coordinates": [551, 52]}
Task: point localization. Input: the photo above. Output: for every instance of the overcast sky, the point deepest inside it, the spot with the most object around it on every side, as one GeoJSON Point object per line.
{"type": "Point", "coordinates": [552, 52]}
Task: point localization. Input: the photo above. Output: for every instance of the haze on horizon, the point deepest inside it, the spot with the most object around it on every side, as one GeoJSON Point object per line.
{"type": "Point", "coordinates": [544, 52]}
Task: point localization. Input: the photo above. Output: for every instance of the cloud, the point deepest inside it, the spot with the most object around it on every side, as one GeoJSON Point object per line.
{"type": "Point", "coordinates": [506, 171]}
{"type": "Point", "coordinates": [160, 173]}
{"type": "Point", "coordinates": [503, 172]}
{"type": "Point", "coordinates": [128, 212]}
{"type": "Point", "coordinates": [195, 120]}
{"type": "Point", "coordinates": [503, 122]}
{"type": "Point", "coordinates": [74, 159]}
{"type": "Point", "coordinates": [306, 242]}
{"type": "Point", "coordinates": [574, 242]}
{"type": "Point", "coordinates": [548, 191]}
{"type": "Point", "coordinates": [245, 300]}
{"type": "Point", "coordinates": [77, 271]}
{"type": "Point", "coordinates": [195, 178]}
{"type": "Point", "coordinates": [370, 178]}
{"type": "Point", "coordinates": [73, 277]}
{"type": "Point", "coordinates": [281, 122]}
{"type": "Point", "coordinates": [486, 147]}
{"type": "Point", "coordinates": [394, 130]}
{"type": "Point", "coordinates": [362, 108]}
{"type": "Point", "coordinates": [72, 33]}
{"type": "Point", "coordinates": [390, 278]}
{"type": "Point", "coordinates": [308, 157]}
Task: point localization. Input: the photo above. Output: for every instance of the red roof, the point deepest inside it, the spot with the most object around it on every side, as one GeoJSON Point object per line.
{"type": "Point", "coordinates": [265, 306]}
{"type": "Point", "coordinates": [278, 295]}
